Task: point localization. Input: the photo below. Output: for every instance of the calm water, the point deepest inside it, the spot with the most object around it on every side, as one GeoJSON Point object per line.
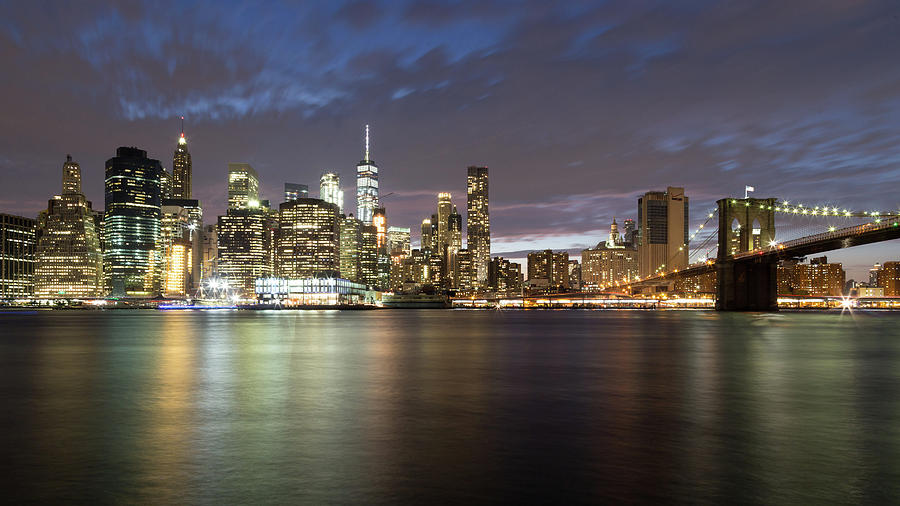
{"type": "Point", "coordinates": [450, 406]}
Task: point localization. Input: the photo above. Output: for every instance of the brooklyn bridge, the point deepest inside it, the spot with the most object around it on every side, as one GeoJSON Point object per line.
{"type": "Point", "coordinates": [737, 250]}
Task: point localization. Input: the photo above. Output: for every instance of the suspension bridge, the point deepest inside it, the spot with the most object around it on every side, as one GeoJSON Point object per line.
{"type": "Point", "coordinates": [747, 249]}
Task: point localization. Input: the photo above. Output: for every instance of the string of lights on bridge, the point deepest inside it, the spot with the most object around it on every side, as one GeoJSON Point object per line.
{"type": "Point", "coordinates": [780, 206]}
{"type": "Point", "coordinates": [825, 211]}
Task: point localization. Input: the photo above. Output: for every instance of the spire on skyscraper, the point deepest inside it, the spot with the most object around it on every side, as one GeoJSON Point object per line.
{"type": "Point", "coordinates": [182, 140]}
{"type": "Point", "coordinates": [367, 144]}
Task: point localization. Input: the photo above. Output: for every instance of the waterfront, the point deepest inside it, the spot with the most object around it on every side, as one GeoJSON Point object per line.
{"type": "Point", "coordinates": [450, 406]}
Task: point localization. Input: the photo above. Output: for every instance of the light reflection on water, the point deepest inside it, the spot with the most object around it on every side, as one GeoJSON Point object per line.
{"type": "Point", "coordinates": [450, 406]}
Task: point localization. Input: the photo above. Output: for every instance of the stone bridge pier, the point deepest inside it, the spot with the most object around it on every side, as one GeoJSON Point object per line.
{"type": "Point", "coordinates": [747, 284]}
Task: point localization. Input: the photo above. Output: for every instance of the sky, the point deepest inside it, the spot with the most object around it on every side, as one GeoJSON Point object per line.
{"type": "Point", "coordinates": [576, 107]}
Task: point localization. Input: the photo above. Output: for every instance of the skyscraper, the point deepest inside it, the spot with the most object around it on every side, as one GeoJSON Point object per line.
{"type": "Point", "coordinates": [479, 223]}
{"type": "Point", "coordinates": [444, 208]}
{"type": "Point", "coordinates": [368, 255]}
{"type": "Point", "coordinates": [294, 191]}
{"type": "Point", "coordinates": [454, 244]}
{"type": "Point", "coordinates": [383, 258]}
{"type": "Point", "coordinates": [629, 232]}
{"type": "Point", "coordinates": [427, 235]}
{"type": "Point", "coordinates": [243, 186]}
{"type": "Point", "coordinates": [398, 240]}
{"type": "Point", "coordinates": [330, 190]}
{"type": "Point", "coordinates": [181, 168]}
{"type": "Point", "coordinates": [243, 249]}
{"type": "Point", "coordinates": [165, 184]}
{"type": "Point", "coordinates": [17, 258]}
{"type": "Point", "coordinates": [350, 243]}
{"type": "Point", "coordinates": [366, 186]}
{"type": "Point", "coordinates": [663, 234]}
{"type": "Point", "coordinates": [131, 226]}
{"type": "Point", "coordinates": [308, 239]}
{"type": "Point", "coordinates": [175, 235]}
{"type": "Point", "coordinates": [68, 260]}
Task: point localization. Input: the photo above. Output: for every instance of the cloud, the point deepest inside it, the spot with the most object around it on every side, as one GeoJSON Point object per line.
{"type": "Point", "coordinates": [577, 107]}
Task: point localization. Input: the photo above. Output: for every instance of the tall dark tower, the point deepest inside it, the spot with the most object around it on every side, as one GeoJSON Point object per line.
{"type": "Point", "coordinates": [181, 168]}
{"type": "Point", "coordinates": [131, 226]}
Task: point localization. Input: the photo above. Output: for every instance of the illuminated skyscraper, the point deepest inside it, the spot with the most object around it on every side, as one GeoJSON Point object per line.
{"type": "Point", "coordinates": [209, 253]}
{"type": "Point", "coordinates": [330, 190]}
{"type": "Point", "coordinates": [243, 186]}
{"type": "Point", "coordinates": [366, 186]}
{"type": "Point", "coordinates": [243, 249]}
{"type": "Point", "coordinates": [398, 240]}
{"type": "Point", "coordinates": [68, 261]}
{"type": "Point", "coordinates": [175, 235]}
{"type": "Point", "coordinates": [294, 191]}
{"type": "Point", "coordinates": [444, 208]}
{"type": "Point", "coordinates": [194, 235]}
{"type": "Point", "coordinates": [465, 271]}
{"type": "Point", "coordinates": [308, 239]}
{"type": "Point", "coordinates": [368, 255]}
{"type": "Point", "coordinates": [131, 226]}
{"type": "Point", "coordinates": [479, 223]}
{"type": "Point", "coordinates": [427, 236]}
{"type": "Point", "coordinates": [350, 243]}
{"type": "Point", "coordinates": [379, 221]}
{"type": "Point", "coordinates": [663, 221]}
{"type": "Point", "coordinates": [181, 168]}
{"type": "Point", "coordinates": [454, 244]}
{"type": "Point", "coordinates": [17, 256]}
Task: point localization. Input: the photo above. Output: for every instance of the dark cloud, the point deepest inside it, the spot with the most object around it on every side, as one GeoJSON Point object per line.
{"type": "Point", "coordinates": [577, 107]}
{"type": "Point", "coordinates": [359, 15]}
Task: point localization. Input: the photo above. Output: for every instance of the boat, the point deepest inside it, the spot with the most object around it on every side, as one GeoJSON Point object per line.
{"type": "Point", "coordinates": [415, 301]}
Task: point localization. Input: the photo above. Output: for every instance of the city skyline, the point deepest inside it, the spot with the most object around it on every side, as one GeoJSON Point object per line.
{"type": "Point", "coordinates": [779, 116]}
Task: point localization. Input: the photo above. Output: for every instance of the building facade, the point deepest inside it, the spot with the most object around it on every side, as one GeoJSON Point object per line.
{"type": "Point", "coordinates": [131, 226]}
{"type": "Point", "coordinates": [398, 240]}
{"type": "Point", "coordinates": [294, 191]}
{"type": "Point", "coordinates": [478, 221]}
{"type": "Point", "coordinates": [366, 186]}
{"type": "Point", "coordinates": [610, 262]}
{"type": "Point", "coordinates": [548, 271]}
{"type": "Point", "coordinates": [889, 279]}
{"type": "Point", "coordinates": [350, 244]}
{"type": "Point", "coordinates": [817, 278]}
{"type": "Point", "coordinates": [181, 170]}
{"type": "Point", "coordinates": [243, 186]}
{"type": "Point", "coordinates": [68, 258]}
{"type": "Point", "coordinates": [243, 249]}
{"type": "Point", "coordinates": [330, 190]}
{"type": "Point", "coordinates": [368, 255]}
{"type": "Point", "coordinates": [505, 277]}
{"type": "Point", "coordinates": [17, 256]}
{"type": "Point", "coordinates": [663, 220]}
{"type": "Point", "coordinates": [308, 239]}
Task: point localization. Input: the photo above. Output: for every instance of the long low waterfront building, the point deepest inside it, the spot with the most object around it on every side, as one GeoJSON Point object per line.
{"type": "Point", "coordinates": [312, 291]}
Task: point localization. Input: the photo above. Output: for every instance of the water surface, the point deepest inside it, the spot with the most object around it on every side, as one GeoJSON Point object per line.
{"type": "Point", "coordinates": [450, 406]}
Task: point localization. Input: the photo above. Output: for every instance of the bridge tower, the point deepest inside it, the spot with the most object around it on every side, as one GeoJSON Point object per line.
{"type": "Point", "coordinates": [747, 284]}
{"type": "Point", "coordinates": [745, 224]}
